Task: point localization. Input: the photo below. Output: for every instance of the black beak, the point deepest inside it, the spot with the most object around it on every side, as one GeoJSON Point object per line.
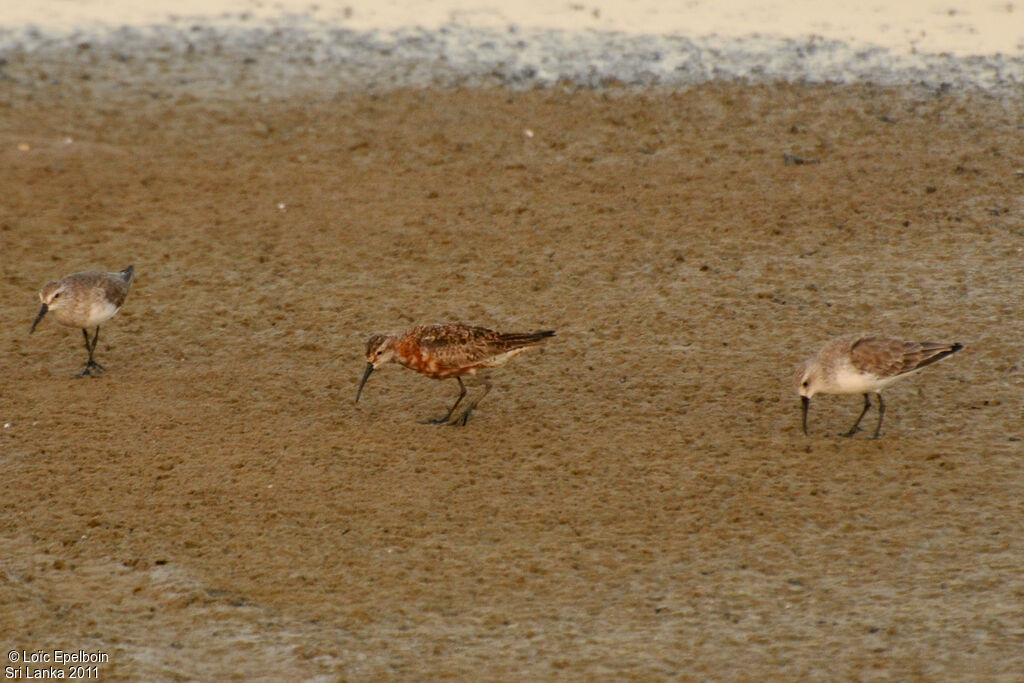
{"type": "Point", "coordinates": [366, 376]}
{"type": "Point", "coordinates": [42, 312]}
{"type": "Point", "coordinates": [807, 404]}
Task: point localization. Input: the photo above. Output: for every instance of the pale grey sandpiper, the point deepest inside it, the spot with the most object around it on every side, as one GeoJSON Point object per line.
{"type": "Point", "coordinates": [865, 364]}
{"type": "Point", "coordinates": [85, 300]}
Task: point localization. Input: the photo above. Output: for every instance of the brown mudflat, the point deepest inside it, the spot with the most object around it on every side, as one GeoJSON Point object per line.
{"type": "Point", "coordinates": [633, 500]}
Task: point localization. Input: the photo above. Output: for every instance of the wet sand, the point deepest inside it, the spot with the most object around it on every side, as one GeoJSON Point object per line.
{"type": "Point", "coordinates": [633, 500]}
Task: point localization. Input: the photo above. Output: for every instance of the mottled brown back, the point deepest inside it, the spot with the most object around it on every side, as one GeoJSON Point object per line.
{"type": "Point", "coordinates": [114, 286]}
{"type": "Point", "coordinates": [888, 357]}
{"type": "Point", "coordinates": [116, 289]}
{"type": "Point", "coordinates": [459, 343]}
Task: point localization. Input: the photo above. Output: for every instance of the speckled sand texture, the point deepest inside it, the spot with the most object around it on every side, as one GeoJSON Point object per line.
{"type": "Point", "coordinates": [635, 499]}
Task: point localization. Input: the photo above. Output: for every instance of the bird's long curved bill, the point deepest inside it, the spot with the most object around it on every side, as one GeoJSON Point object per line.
{"type": "Point", "coordinates": [366, 376]}
{"type": "Point", "coordinates": [42, 312]}
{"type": "Point", "coordinates": [807, 404]}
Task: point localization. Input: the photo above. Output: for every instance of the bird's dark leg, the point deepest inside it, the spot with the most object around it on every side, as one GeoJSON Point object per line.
{"type": "Point", "coordinates": [464, 417]}
{"type": "Point", "coordinates": [91, 348]}
{"type": "Point", "coordinates": [856, 425]}
{"type": "Point", "coordinates": [881, 414]}
{"type": "Point", "coordinates": [462, 395]}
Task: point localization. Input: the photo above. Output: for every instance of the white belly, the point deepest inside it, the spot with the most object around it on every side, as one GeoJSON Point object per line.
{"type": "Point", "coordinates": [502, 358]}
{"type": "Point", "coordinates": [95, 313]}
{"type": "Point", "coordinates": [849, 381]}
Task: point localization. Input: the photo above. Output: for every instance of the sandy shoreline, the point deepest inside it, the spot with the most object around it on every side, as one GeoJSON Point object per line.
{"type": "Point", "coordinates": [291, 45]}
{"type": "Point", "coordinates": [304, 59]}
{"type": "Point", "coordinates": [635, 500]}
{"type": "Point", "coordinates": [957, 27]}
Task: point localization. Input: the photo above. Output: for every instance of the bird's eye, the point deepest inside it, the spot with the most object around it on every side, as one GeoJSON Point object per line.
{"type": "Point", "coordinates": [806, 384]}
{"type": "Point", "coordinates": [57, 295]}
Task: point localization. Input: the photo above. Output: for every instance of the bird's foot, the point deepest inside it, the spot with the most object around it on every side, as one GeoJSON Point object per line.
{"type": "Point", "coordinates": [91, 367]}
{"type": "Point", "coordinates": [462, 418]}
{"type": "Point", "coordinates": [457, 421]}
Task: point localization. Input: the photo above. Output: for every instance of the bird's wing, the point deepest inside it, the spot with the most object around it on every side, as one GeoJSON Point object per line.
{"type": "Point", "coordinates": [916, 355]}
{"type": "Point", "coordinates": [457, 344]}
{"type": "Point", "coordinates": [888, 357]}
{"type": "Point", "coordinates": [115, 289]}
{"type": "Point", "coordinates": [879, 356]}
